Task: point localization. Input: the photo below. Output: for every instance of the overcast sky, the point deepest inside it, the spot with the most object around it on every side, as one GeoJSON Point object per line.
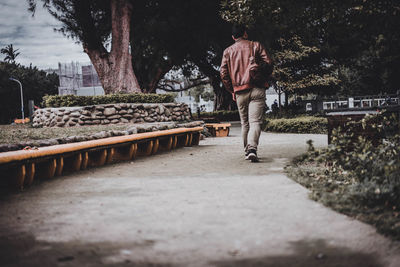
{"type": "Point", "coordinates": [34, 36]}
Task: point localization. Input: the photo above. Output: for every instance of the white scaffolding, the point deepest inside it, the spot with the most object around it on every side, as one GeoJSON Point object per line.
{"type": "Point", "coordinates": [78, 79]}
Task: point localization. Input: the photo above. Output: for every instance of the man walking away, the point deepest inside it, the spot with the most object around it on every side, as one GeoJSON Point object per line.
{"type": "Point", "coordinates": [237, 68]}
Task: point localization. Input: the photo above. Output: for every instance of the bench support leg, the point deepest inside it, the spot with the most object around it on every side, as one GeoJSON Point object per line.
{"type": "Point", "coordinates": [59, 166]}
{"type": "Point", "coordinates": [97, 158]}
{"type": "Point", "coordinates": [73, 163]}
{"type": "Point", "coordinates": [85, 160]}
{"type": "Point", "coordinates": [47, 169]}
{"type": "Point", "coordinates": [30, 174]}
{"type": "Point", "coordinates": [196, 139]}
{"type": "Point", "coordinates": [156, 145]}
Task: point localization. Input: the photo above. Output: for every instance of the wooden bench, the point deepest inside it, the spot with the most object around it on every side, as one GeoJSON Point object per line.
{"type": "Point", "coordinates": [20, 168]}
{"type": "Point", "coordinates": [218, 129]}
{"type": "Point", "coordinates": [338, 120]}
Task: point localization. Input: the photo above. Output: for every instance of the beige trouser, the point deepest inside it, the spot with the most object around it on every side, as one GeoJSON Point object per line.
{"type": "Point", "coordinates": [251, 104]}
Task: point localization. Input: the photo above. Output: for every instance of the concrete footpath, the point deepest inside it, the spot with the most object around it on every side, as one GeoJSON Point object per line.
{"type": "Point", "coordinates": [200, 206]}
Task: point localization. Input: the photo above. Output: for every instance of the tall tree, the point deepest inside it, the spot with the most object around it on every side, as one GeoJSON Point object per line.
{"type": "Point", "coordinates": [299, 69]}
{"type": "Point", "coordinates": [10, 53]}
{"type": "Point", "coordinates": [163, 35]}
{"type": "Point", "coordinates": [98, 25]}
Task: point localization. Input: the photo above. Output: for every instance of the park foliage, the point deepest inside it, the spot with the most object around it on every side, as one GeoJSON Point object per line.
{"type": "Point", "coordinates": [55, 101]}
{"type": "Point", "coordinates": [357, 176]}
{"type": "Point", "coordinates": [10, 53]}
{"type": "Point", "coordinates": [35, 83]}
{"type": "Point", "coordinates": [319, 47]}
{"type": "Point", "coordinates": [357, 40]}
{"type": "Point", "coordinates": [163, 36]}
{"type": "Point", "coordinates": [300, 125]}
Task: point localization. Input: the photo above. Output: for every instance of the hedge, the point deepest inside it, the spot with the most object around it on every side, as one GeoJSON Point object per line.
{"type": "Point", "coordinates": [55, 101]}
{"type": "Point", "coordinates": [221, 115]}
{"type": "Point", "coordinates": [306, 124]}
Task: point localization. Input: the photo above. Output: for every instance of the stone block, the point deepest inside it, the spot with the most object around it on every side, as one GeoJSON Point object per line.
{"type": "Point", "coordinates": [149, 119]}
{"type": "Point", "coordinates": [127, 116]}
{"type": "Point", "coordinates": [75, 114]}
{"type": "Point", "coordinates": [109, 111]}
{"type": "Point", "coordinates": [113, 117]}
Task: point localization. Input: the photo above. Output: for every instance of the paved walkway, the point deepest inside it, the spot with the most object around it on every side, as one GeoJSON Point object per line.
{"type": "Point", "coordinates": [201, 206]}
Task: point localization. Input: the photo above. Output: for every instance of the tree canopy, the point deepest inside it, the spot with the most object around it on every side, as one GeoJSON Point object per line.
{"type": "Point", "coordinates": [358, 37]}
{"type": "Point", "coordinates": [35, 83]}
{"type": "Point", "coordinates": [133, 44]}
{"type": "Point", "coordinates": [10, 53]}
{"type": "Point", "coordinates": [299, 69]}
{"type": "Point", "coordinates": [186, 34]}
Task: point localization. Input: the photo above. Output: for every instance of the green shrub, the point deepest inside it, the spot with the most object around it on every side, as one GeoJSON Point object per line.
{"type": "Point", "coordinates": [358, 176]}
{"type": "Point", "coordinates": [221, 115]}
{"type": "Point", "coordinates": [56, 101]}
{"type": "Point", "coordinates": [375, 168]}
{"type": "Point", "coordinates": [306, 124]}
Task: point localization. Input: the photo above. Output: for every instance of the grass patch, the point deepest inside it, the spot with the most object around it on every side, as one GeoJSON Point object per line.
{"type": "Point", "coordinates": [13, 134]}
{"type": "Point", "coordinates": [300, 125]}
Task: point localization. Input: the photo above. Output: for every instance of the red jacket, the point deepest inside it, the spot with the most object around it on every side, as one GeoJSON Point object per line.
{"type": "Point", "coordinates": [235, 62]}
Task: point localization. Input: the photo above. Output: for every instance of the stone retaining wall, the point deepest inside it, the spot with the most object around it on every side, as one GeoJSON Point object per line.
{"type": "Point", "coordinates": [110, 114]}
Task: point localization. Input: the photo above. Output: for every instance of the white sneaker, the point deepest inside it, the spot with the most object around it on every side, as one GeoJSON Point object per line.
{"type": "Point", "coordinates": [252, 156]}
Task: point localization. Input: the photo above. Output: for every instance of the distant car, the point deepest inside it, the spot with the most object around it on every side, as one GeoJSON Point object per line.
{"type": "Point", "coordinates": [308, 107]}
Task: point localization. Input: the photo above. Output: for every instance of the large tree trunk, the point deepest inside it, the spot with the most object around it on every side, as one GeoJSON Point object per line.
{"type": "Point", "coordinates": [115, 69]}
{"type": "Point", "coordinates": [279, 98]}
{"type": "Point", "coordinates": [223, 99]}
{"type": "Point", "coordinates": [286, 98]}
{"type": "Point", "coordinates": [153, 84]}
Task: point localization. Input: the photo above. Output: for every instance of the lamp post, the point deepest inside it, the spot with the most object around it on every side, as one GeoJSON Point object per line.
{"type": "Point", "coordinates": [22, 97]}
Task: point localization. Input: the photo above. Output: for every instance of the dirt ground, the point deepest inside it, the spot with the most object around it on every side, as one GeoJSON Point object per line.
{"type": "Point", "coordinates": [196, 206]}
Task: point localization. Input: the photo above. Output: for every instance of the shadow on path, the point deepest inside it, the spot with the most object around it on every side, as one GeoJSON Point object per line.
{"type": "Point", "coordinates": [309, 254]}
{"type": "Point", "coordinates": [22, 249]}
{"type": "Point", "coordinates": [19, 249]}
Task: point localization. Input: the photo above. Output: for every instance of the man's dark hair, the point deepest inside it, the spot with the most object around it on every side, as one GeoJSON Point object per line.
{"type": "Point", "coordinates": [238, 30]}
